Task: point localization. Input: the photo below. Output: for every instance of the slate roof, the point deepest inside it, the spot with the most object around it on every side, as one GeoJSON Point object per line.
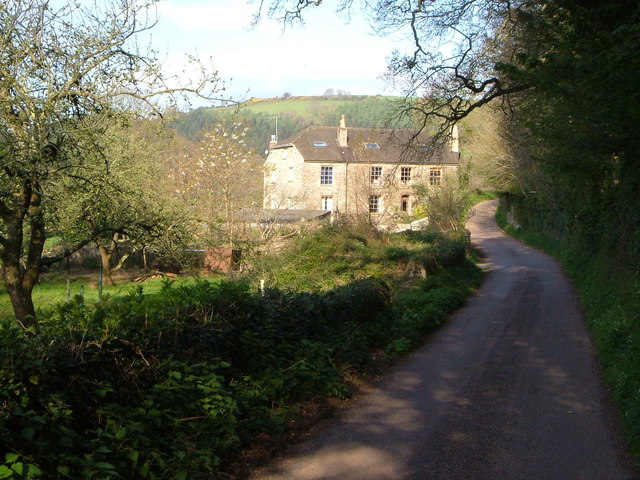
{"type": "Point", "coordinates": [394, 146]}
{"type": "Point", "coordinates": [282, 216]}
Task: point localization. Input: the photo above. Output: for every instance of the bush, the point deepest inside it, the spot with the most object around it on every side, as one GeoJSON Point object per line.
{"type": "Point", "coordinates": [171, 385]}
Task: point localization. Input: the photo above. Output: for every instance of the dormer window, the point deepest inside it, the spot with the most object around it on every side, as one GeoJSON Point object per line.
{"type": "Point", "coordinates": [371, 145]}
{"type": "Point", "coordinates": [319, 144]}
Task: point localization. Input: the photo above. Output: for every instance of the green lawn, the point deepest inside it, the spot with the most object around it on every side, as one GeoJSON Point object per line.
{"type": "Point", "coordinates": [53, 290]}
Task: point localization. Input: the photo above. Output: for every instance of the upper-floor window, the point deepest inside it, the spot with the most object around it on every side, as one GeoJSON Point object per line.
{"type": "Point", "coordinates": [435, 176]}
{"type": "Point", "coordinates": [376, 174]}
{"type": "Point", "coordinates": [405, 174]}
{"type": "Point", "coordinates": [326, 175]}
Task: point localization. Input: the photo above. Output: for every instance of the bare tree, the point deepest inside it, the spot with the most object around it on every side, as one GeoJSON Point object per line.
{"type": "Point", "coordinates": [228, 176]}
{"type": "Point", "coordinates": [67, 74]}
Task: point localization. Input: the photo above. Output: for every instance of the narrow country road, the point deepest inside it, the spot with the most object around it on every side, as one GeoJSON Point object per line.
{"type": "Point", "coordinates": [509, 389]}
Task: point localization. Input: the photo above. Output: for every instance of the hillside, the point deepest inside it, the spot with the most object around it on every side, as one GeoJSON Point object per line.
{"type": "Point", "coordinates": [292, 114]}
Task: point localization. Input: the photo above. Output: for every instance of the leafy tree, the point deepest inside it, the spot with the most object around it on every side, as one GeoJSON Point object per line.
{"type": "Point", "coordinates": [444, 204]}
{"type": "Point", "coordinates": [128, 206]}
{"type": "Point", "coordinates": [496, 149]}
{"type": "Point", "coordinates": [67, 74]}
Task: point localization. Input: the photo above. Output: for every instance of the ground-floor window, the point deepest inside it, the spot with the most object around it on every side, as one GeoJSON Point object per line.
{"type": "Point", "coordinates": [375, 202]}
{"type": "Point", "coordinates": [327, 203]}
{"type": "Point", "coordinates": [404, 203]}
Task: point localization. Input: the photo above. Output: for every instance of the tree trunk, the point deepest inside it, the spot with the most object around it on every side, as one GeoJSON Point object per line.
{"type": "Point", "coordinates": [67, 262]}
{"type": "Point", "coordinates": [22, 303]}
{"type": "Point", "coordinates": [120, 264]}
{"type": "Point", "coordinates": [105, 259]}
{"type": "Point", "coordinates": [19, 272]}
{"type": "Point", "coordinates": [19, 284]}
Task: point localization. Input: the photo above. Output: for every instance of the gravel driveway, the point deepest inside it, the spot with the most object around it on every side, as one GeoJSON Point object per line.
{"type": "Point", "coordinates": [509, 389]}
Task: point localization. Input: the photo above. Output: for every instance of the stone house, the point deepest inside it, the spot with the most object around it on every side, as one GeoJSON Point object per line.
{"type": "Point", "coordinates": [354, 171]}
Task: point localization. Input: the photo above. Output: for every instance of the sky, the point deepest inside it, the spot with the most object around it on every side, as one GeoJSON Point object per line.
{"type": "Point", "coordinates": [326, 52]}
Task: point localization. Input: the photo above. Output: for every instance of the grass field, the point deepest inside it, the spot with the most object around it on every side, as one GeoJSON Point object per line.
{"type": "Point", "coordinates": [300, 106]}
{"type": "Point", "coordinates": [52, 290]}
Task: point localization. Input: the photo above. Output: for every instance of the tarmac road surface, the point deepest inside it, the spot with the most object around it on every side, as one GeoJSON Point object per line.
{"type": "Point", "coordinates": [509, 389]}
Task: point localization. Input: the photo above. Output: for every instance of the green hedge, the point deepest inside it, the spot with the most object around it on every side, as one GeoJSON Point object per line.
{"type": "Point", "coordinates": [608, 286]}
{"type": "Point", "coordinates": [171, 385]}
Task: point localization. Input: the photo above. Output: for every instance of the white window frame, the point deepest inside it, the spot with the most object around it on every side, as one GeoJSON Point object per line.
{"type": "Point", "coordinates": [405, 175]}
{"type": "Point", "coordinates": [435, 176]}
{"type": "Point", "coordinates": [327, 202]}
{"type": "Point", "coordinates": [375, 203]}
{"type": "Point", "coordinates": [375, 174]}
{"type": "Point", "coordinates": [326, 175]}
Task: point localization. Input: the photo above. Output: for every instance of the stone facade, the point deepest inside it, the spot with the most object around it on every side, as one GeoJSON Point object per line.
{"type": "Point", "coordinates": [354, 171]}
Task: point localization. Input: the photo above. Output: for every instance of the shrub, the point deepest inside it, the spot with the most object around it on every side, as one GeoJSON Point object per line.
{"type": "Point", "coordinates": [171, 385]}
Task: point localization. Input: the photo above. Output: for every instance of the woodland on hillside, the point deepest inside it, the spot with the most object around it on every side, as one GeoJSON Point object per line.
{"type": "Point", "coordinates": [287, 116]}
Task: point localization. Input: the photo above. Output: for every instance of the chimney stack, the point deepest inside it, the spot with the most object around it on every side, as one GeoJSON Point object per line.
{"type": "Point", "coordinates": [455, 147]}
{"type": "Point", "coordinates": [342, 133]}
{"type": "Point", "coordinates": [273, 142]}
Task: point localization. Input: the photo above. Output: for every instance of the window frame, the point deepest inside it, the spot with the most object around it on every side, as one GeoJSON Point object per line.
{"type": "Point", "coordinates": [435, 176]}
{"type": "Point", "coordinates": [376, 177]}
{"type": "Point", "coordinates": [405, 175]}
{"type": "Point", "coordinates": [326, 175]}
{"type": "Point", "coordinates": [375, 203]}
{"type": "Point", "coordinates": [323, 202]}
{"type": "Point", "coordinates": [405, 203]}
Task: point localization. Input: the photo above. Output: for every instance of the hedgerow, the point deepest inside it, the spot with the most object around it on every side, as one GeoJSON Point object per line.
{"type": "Point", "coordinates": [172, 385]}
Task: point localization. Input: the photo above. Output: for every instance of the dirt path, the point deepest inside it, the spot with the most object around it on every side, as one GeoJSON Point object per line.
{"type": "Point", "coordinates": [508, 390]}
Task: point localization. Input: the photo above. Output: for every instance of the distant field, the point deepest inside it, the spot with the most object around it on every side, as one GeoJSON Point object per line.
{"type": "Point", "coordinates": [303, 106]}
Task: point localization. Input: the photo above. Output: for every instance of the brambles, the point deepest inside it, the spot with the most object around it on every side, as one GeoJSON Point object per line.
{"type": "Point", "coordinates": [173, 384]}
